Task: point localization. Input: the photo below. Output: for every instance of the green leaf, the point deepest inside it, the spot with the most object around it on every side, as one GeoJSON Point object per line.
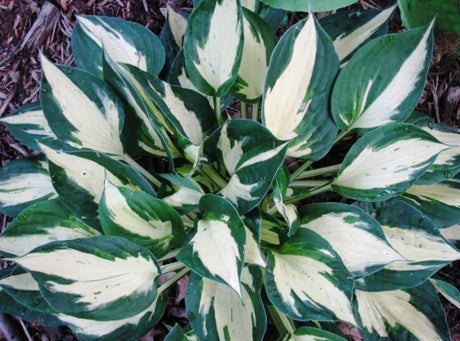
{"type": "Point", "coordinates": [365, 100]}
{"type": "Point", "coordinates": [296, 91]}
{"type": "Point", "coordinates": [101, 278]}
{"type": "Point", "coordinates": [251, 155]}
{"type": "Point", "coordinates": [447, 290]}
{"type": "Point", "coordinates": [178, 334]}
{"type": "Point", "coordinates": [350, 30]}
{"type": "Point", "coordinates": [81, 109]}
{"type": "Point", "coordinates": [352, 233]}
{"type": "Point", "coordinates": [385, 162]}
{"type": "Point", "coordinates": [420, 12]}
{"type": "Point", "coordinates": [79, 178]}
{"type": "Point", "coordinates": [140, 218]}
{"type": "Point", "coordinates": [29, 125]}
{"type": "Point", "coordinates": [310, 5]}
{"type": "Point", "coordinates": [306, 280]}
{"type": "Point", "coordinates": [22, 182]}
{"type": "Point", "coordinates": [217, 312]}
{"type": "Point", "coordinates": [41, 223]}
{"type": "Point", "coordinates": [213, 66]}
{"type": "Point", "coordinates": [216, 249]}
{"type": "Point", "coordinates": [259, 42]}
{"type": "Point", "coordinates": [416, 238]}
{"type": "Point", "coordinates": [125, 41]}
{"type": "Point", "coordinates": [312, 334]}
{"type": "Point", "coordinates": [440, 202]}
{"type": "Point", "coordinates": [410, 314]}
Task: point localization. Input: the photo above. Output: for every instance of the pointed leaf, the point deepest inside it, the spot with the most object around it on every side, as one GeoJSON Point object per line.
{"type": "Point", "coordinates": [41, 223]}
{"type": "Point", "coordinates": [23, 182]}
{"type": "Point", "coordinates": [306, 280]}
{"type": "Point", "coordinates": [365, 100]}
{"type": "Point", "coordinates": [251, 156]}
{"type": "Point", "coordinates": [213, 66]}
{"type": "Point", "coordinates": [401, 314]}
{"type": "Point", "coordinates": [187, 192]}
{"type": "Point", "coordinates": [296, 92]}
{"type": "Point", "coordinates": [102, 278]}
{"type": "Point", "coordinates": [312, 334]}
{"type": "Point", "coordinates": [216, 249]}
{"type": "Point", "coordinates": [385, 162]}
{"type": "Point", "coordinates": [252, 252]}
{"type": "Point", "coordinates": [447, 290]}
{"type": "Point", "coordinates": [140, 218]}
{"type": "Point", "coordinates": [127, 42]}
{"type": "Point", "coordinates": [81, 109]}
{"type": "Point", "coordinates": [352, 233]}
{"type": "Point", "coordinates": [309, 5]}
{"type": "Point", "coordinates": [216, 312]}
{"type": "Point", "coordinates": [288, 211]}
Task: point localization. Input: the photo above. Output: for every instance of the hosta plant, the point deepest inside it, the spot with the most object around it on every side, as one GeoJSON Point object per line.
{"type": "Point", "coordinates": [287, 180]}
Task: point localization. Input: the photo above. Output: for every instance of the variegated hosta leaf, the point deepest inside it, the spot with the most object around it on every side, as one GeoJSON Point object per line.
{"type": "Point", "coordinates": [440, 202]}
{"type": "Point", "coordinates": [187, 192]}
{"type": "Point", "coordinates": [140, 218]}
{"type": "Point", "coordinates": [401, 314]}
{"type": "Point", "coordinates": [251, 155]}
{"type": "Point", "coordinates": [126, 42]}
{"type": "Point", "coordinates": [309, 5]}
{"type": "Point", "coordinates": [312, 334]}
{"type": "Point", "coordinates": [296, 91]}
{"type": "Point", "coordinates": [352, 233]}
{"type": "Point", "coordinates": [79, 178]}
{"type": "Point", "coordinates": [365, 100]}
{"type": "Point", "coordinates": [213, 66]}
{"type": "Point", "coordinates": [178, 334]}
{"type": "Point", "coordinates": [28, 124]}
{"type": "Point", "coordinates": [252, 225]}
{"type": "Point", "coordinates": [350, 30]}
{"type": "Point", "coordinates": [81, 109]}
{"type": "Point", "coordinates": [216, 249]}
{"type": "Point", "coordinates": [447, 290]}
{"type": "Point", "coordinates": [259, 42]}
{"type": "Point", "coordinates": [385, 162]}
{"type": "Point", "coordinates": [129, 329]}
{"type": "Point", "coordinates": [23, 182]}
{"type": "Point", "coordinates": [41, 223]}
{"type": "Point", "coordinates": [100, 278]}
{"type": "Point", "coordinates": [288, 211]}
{"type": "Point", "coordinates": [216, 312]}
{"type": "Point", "coordinates": [451, 233]}
{"type": "Point", "coordinates": [416, 238]}
{"type": "Point", "coordinates": [306, 279]}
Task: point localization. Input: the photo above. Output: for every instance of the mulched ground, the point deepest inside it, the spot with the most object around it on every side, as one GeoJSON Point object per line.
{"type": "Point", "coordinates": [20, 41]}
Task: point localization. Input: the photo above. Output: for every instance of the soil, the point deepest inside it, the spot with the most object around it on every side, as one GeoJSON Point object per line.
{"type": "Point", "coordinates": [21, 41]}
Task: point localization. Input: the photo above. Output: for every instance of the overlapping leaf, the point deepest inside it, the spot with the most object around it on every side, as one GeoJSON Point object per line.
{"type": "Point", "coordinates": [312, 334]}
{"type": "Point", "coordinates": [310, 5]}
{"type": "Point", "coordinates": [296, 92]}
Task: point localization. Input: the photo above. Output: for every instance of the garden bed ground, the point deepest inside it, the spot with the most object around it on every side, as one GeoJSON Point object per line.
{"type": "Point", "coordinates": [27, 26]}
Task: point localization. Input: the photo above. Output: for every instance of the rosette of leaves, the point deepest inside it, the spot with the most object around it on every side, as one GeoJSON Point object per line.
{"type": "Point", "coordinates": [97, 240]}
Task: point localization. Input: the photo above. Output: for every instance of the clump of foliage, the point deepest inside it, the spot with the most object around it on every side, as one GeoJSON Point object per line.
{"type": "Point", "coordinates": [97, 241]}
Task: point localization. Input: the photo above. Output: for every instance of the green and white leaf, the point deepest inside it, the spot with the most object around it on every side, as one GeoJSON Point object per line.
{"type": "Point", "coordinates": [101, 278]}
{"type": "Point", "coordinates": [350, 30]}
{"type": "Point", "coordinates": [125, 41]}
{"type": "Point", "coordinates": [28, 124]}
{"type": "Point", "coordinates": [140, 218]}
{"type": "Point", "coordinates": [309, 5]}
{"type": "Point", "coordinates": [385, 162]}
{"type": "Point", "coordinates": [296, 91]}
{"type": "Point", "coordinates": [177, 25]}
{"type": "Point", "coordinates": [216, 249]}
{"type": "Point", "coordinates": [352, 233]}
{"type": "Point", "coordinates": [306, 280]}
{"type": "Point", "coordinates": [23, 182]}
{"type": "Point", "coordinates": [211, 65]}
{"type": "Point", "coordinates": [447, 290]}
{"type": "Point", "coordinates": [440, 202]}
{"type": "Point", "coordinates": [251, 155]}
{"type": "Point", "coordinates": [79, 178]}
{"type": "Point", "coordinates": [366, 100]}
{"type": "Point", "coordinates": [259, 42]}
{"type": "Point", "coordinates": [41, 223]}
{"type": "Point", "coordinates": [81, 109]}
{"type": "Point", "coordinates": [401, 314]}
{"type": "Point", "coordinates": [217, 312]}
{"type": "Point", "coordinates": [312, 334]}
{"type": "Point", "coordinates": [187, 191]}
{"type": "Point", "coordinates": [451, 233]}
{"type": "Point", "coordinates": [288, 211]}
{"type": "Point", "coordinates": [416, 238]}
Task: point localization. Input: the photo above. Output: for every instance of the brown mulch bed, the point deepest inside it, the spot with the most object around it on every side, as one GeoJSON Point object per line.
{"type": "Point", "coordinates": [24, 30]}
